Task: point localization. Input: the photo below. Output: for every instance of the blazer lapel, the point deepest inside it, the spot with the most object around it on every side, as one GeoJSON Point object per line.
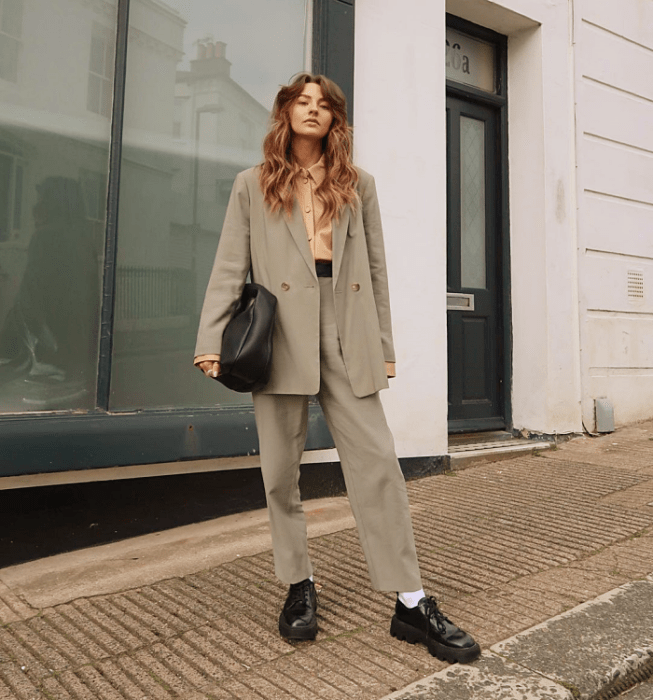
{"type": "Point", "coordinates": [339, 233]}
{"type": "Point", "coordinates": [298, 230]}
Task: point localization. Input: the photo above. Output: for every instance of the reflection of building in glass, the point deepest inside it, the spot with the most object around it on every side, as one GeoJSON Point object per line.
{"type": "Point", "coordinates": [100, 71]}
{"type": "Point", "coordinates": [176, 177]}
{"type": "Point", "coordinates": [242, 121]}
{"type": "Point", "coordinates": [186, 135]}
{"type": "Point", "coordinates": [177, 172]}
{"type": "Point", "coordinates": [49, 332]}
{"type": "Point", "coordinates": [223, 127]}
{"type": "Point", "coordinates": [56, 90]}
{"type": "Point", "coordinates": [11, 31]}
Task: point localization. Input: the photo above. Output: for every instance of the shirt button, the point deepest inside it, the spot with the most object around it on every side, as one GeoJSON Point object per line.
{"type": "Point", "coordinates": [285, 286]}
{"type": "Point", "coordinates": [306, 181]}
{"type": "Point", "coordinates": [355, 287]}
{"type": "Point", "coordinates": [308, 210]}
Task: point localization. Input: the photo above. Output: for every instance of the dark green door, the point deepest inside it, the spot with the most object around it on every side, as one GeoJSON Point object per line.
{"type": "Point", "coordinates": [473, 268]}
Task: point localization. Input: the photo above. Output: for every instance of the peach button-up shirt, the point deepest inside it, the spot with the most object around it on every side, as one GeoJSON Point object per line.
{"type": "Point", "coordinates": [319, 232]}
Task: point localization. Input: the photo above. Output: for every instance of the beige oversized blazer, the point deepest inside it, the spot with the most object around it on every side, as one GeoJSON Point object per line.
{"type": "Point", "coordinates": [278, 250]}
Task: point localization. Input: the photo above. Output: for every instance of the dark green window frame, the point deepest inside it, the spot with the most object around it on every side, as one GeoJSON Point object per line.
{"type": "Point", "coordinates": [41, 443]}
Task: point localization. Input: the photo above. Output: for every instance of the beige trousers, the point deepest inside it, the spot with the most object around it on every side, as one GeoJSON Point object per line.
{"type": "Point", "coordinates": [375, 483]}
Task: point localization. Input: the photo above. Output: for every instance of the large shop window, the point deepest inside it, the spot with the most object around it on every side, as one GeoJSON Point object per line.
{"type": "Point", "coordinates": [113, 191]}
{"type": "Point", "coordinates": [53, 171]}
{"type": "Point", "coordinates": [201, 79]}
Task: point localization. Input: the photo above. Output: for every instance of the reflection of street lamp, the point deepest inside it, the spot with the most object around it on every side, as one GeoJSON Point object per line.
{"type": "Point", "coordinates": [211, 109]}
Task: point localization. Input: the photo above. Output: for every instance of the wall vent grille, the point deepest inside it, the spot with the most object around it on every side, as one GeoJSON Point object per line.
{"type": "Point", "coordinates": [635, 285]}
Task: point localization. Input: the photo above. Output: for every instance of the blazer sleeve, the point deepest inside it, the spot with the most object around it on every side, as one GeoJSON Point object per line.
{"type": "Point", "coordinates": [376, 253]}
{"type": "Point", "coordinates": [232, 263]}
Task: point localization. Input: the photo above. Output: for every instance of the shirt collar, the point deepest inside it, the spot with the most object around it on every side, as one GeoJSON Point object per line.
{"type": "Point", "coordinates": [318, 171]}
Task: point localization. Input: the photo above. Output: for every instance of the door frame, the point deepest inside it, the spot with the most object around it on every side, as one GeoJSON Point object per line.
{"type": "Point", "coordinates": [499, 101]}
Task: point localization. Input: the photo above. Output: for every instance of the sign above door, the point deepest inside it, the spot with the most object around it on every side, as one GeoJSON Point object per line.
{"type": "Point", "coordinates": [471, 61]}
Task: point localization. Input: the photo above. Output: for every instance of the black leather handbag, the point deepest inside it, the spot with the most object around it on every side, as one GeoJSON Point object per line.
{"type": "Point", "coordinates": [246, 355]}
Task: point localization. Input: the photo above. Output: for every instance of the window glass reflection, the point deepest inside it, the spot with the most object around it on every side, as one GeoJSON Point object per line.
{"type": "Point", "coordinates": [201, 78]}
{"type": "Point", "coordinates": [54, 143]}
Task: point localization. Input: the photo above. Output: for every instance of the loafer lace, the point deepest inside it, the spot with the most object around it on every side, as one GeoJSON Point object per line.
{"type": "Point", "coordinates": [433, 612]}
{"type": "Point", "coordinates": [299, 593]}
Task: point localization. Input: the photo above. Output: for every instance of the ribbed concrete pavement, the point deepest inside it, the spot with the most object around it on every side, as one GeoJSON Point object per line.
{"type": "Point", "coordinates": [504, 546]}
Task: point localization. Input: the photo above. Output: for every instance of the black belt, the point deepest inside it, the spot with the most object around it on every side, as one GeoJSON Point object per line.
{"type": "Point", "coordinates": [323, 269]}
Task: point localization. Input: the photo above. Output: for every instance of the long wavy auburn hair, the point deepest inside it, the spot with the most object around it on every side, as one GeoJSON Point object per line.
{"type": "Point", "coordinates": [279, 170]}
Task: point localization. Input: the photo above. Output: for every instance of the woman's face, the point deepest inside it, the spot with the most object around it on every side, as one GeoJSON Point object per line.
{"type": "Point", "coordinates": [310, 114]}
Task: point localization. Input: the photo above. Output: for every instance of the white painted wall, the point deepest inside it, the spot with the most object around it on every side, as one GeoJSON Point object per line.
{"type": "Point", "coordinates": [399, 133]}
{"type": "Point", "coordinates": [400, 138]}
{"type": "Point", "coordinates": [614, 64]}
{"type": "Point", "coordinates": [546, 371]}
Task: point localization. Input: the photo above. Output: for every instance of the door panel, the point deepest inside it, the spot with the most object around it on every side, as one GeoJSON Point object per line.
{"type": "Point", "coordinates": [473, 268]}
{"type": "Point", "coordinates": [474, 375]}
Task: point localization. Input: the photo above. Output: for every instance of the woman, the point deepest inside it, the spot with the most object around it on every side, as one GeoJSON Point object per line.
{"type": "Point", "coordinates": [307, 222]}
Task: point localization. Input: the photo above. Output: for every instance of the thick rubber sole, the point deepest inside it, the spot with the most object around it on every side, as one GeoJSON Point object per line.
{"type": "Point", "coordinates": [412, 635]}
{"type": "Point", "coordinates": [298, 634]}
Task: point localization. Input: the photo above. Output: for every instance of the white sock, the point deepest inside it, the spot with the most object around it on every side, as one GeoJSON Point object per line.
{"type": "Point", "coordinates": [411, 599]}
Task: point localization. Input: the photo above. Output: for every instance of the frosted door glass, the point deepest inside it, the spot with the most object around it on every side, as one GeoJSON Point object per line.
{"type": "Point", "coordinates": [201, 79]}
{"type": "Point", "coordinates": [56, 82]}
{"type": "Point", "coordinates": [472, 203]}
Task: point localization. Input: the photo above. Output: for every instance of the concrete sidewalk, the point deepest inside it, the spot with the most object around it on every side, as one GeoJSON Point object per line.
{"type": "Point", "coordinates": [507, 547]}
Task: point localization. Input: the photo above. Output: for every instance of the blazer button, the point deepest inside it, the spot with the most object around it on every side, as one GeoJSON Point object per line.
{"type": "Point", "coordinates": [355, 287]}
{"type": "Point", "coordinates": [285, 286]}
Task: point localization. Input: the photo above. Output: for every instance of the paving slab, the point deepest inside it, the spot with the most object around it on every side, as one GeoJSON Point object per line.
{"type": "Point", "coordinates": [150, 558]}
{"type": "Point", "coordinates": [595, 648]}
{"type": "Point", "coordinates": [589, 653]}
{"type": "Point", "coordinates": [192, 614]}
{"type": "Point", "coordinates": [489, 678]}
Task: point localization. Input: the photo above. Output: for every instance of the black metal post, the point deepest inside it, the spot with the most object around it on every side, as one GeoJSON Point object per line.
{"type": "Point", "coordinates": [113, 193]}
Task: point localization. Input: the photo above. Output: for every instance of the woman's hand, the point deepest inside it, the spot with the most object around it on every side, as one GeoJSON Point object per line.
{"type": "Point", "coordinates": [211, 368]}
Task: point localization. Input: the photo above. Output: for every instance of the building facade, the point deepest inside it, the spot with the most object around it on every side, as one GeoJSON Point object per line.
{"type": "Point", "coordinates": [515, 175]}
